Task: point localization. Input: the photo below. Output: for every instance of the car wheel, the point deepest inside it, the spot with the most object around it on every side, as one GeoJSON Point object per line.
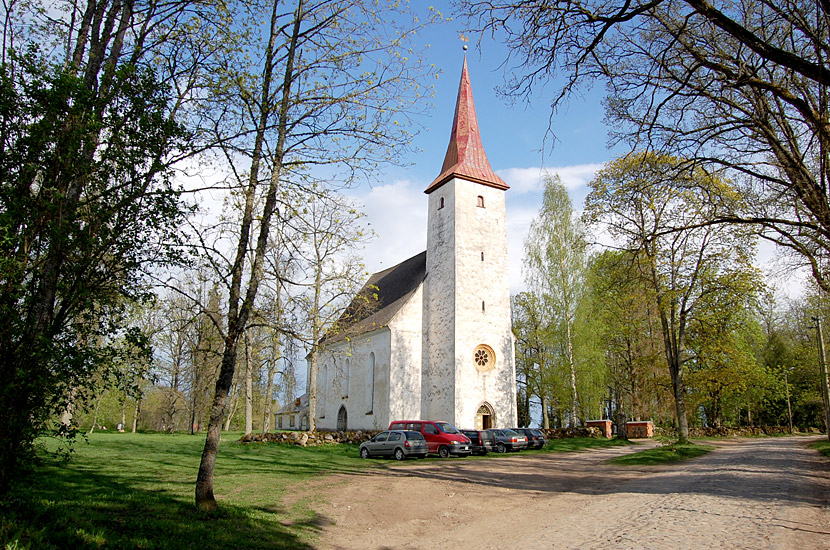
{"type": "Point", "coordinates": [443, 452]}
{"type": "Point", "coordinates": [500, 448]}
{"type": "Point", "coordinates": [364, 453]}
{"type": "Point", "coordinates": [399, 454]}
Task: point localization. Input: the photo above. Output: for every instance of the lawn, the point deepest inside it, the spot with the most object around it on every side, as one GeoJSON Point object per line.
{"type": "Point", "coordinates": [136, 491]}
{"type": "Point", "coordinates": [662, 455]}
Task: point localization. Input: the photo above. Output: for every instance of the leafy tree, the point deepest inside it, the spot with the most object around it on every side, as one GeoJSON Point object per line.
{"type": "Point", "coordinates": [335, 85]}
{"type": "Point", "coordinates": [80, 220]}
{"type": "Point", "coordinates": [554, 267]}
{"type": "Point", "coordinates": [742, 85]}
{"type": "Point", "coordinates": [640, 200]}
{"type": "Point", "coordinates": [629, 329]}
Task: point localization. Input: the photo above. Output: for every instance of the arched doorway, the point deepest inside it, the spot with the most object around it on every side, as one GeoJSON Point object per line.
{"type": "Point", "coordinates": [342, 418]}
{"type": "Point", "coordinates": [485, 417]}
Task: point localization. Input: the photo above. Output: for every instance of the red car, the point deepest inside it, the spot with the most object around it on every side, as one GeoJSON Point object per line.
{"type": "Point", "coordinates": [443, 438]}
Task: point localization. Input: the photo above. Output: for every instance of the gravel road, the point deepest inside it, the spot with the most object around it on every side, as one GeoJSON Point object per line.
{"type": "Point", "coordinates": [748, 493]}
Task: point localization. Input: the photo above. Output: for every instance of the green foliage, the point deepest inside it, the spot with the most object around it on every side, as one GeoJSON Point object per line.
{"type": "Point", "coordinates": [553, 334]}
{"type": "Point", "coordinates": [86, 206]}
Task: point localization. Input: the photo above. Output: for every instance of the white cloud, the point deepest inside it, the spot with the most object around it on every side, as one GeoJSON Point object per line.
{"type": "Point", "coordinates": [397, 212]}
{"type": "Point", "coordinates": [529, 180]}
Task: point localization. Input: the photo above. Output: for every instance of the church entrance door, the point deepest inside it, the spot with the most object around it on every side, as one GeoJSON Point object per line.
{"type": "Point", "coordinates": [485, 417]}
{"type": "Point", "coordinates": [342, 417]}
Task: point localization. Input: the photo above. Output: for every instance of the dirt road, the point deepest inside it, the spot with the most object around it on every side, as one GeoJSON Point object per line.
{"type": "Point", "coordinates": [749, 493]}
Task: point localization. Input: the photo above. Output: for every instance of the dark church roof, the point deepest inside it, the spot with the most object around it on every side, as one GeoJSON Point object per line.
{"type": "Point", "coordinates": [380, 299]}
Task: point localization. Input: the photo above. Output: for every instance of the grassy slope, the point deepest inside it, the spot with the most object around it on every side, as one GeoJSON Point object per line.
{"type": "Point", "coordinates": [662, 455]}
{"type": "Point", "coordinates": [136, 491]}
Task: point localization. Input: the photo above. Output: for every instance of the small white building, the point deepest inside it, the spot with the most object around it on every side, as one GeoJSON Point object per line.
{"type": "Point", "coordinates": [439, 343]}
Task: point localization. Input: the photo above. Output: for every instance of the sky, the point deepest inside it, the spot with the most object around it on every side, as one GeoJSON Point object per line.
{"type": "Point", "coordinates": [516, 136]}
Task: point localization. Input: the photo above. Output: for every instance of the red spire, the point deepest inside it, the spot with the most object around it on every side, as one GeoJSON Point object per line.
{"type": "Point", "coordinates": [465, 154]}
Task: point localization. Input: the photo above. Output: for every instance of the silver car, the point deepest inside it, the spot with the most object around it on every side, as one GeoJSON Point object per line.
{"type": "Point", "coordinates": [398, 443]}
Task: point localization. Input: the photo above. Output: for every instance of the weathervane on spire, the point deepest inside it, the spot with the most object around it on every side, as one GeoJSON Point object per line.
{"type": "Point", "coordinates": [465, 39]}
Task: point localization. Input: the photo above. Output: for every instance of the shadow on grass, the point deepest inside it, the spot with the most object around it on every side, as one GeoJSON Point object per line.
{"type": "Point", "coordinates": [136, 491]}
{"type": "Point", "coordinates": [64, 508]}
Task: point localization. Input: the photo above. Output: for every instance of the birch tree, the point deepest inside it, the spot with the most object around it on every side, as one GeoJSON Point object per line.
{"type": "Point", "coordinates": [554, 269]}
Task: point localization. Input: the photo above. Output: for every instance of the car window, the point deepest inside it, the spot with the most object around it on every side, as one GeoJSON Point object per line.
{"type": "Point", "coordinates": [397, 426]}
{"type": "Point", "coordinates": [381, 437]}
{"type": "Point", "coordinates": [510, 433]}
{"type": "Point", "coordinates": [414, 435]}
{"type": "Point", "coordinates": [430, 429]}
{"type": "Point", "coordinates": [414, 426]}
{"type": "Point", "coordinates": [447, 428]}
{"type": "Point", "coordinates": [395, 436]}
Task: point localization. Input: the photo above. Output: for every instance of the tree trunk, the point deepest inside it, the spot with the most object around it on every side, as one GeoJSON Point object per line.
{"type": "Point", "coordinates": [573, 422]}
{"type": "Point", "coordinates": [136, 414]}
{"type": "Point", "coordinates": [95, 413]}
{"type": "Point", "coordinates": [231, 410]}
{"type": "Point", "coordinates": [272, 367]}
{"type": "Point", "coordinates": [123, 412]}
{"type": "Point", "coordinates": [545, 415]}
{"type": "Point", "coordinates": [249, 388]}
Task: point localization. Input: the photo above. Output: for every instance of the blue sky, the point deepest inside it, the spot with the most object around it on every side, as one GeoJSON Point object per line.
{"type": "Point", "coordinates": [515, 136]}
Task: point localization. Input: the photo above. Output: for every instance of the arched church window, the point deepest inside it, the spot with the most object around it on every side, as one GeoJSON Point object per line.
{"type": "Point", "coordinates": [484, 358]}
{"type": "Point", "coordinates": [482, 256]}
{"type": "Point", "coordinates": [480, 201]}
{"type": "Point", "coordinates": [324, 383]}
{"type": "Point", "coordinates": [346, 379]}
{"type": "Point", "coordinates": [370, 384]}
{"type": "Point", "coordinates": [440, 203]}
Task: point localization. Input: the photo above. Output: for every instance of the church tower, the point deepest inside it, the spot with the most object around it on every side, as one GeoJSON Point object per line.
{"type": "Point", "coordinates": [468, 374]}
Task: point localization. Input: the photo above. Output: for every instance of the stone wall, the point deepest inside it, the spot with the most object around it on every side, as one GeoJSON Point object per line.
{"type": "Point", "coordinates": [314, 439]}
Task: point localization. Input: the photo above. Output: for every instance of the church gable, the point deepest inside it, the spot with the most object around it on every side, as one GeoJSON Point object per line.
{"type": "Point", "coordinates": [380, 299]}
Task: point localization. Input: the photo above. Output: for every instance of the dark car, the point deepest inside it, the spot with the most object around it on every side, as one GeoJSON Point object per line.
{"type": "Point", "coordinates": [482, 441]}
{"type": "Point", "coordinates": [508, 440]}
{"type": "Point", "coordinates": [535, 438]}
{"type": "Point", "coordinates": [443, 438]}
{"type": "Point", "coordinates": [398, 443]}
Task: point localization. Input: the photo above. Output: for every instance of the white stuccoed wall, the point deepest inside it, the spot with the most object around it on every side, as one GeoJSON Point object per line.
{"type": "Point", "coordinates": [454, 323]}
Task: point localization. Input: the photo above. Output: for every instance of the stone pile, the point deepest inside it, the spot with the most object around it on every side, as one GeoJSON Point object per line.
{"type": "Point", "coordinates": [743, 431]}
{"type": "Point", "coordinates": [308, 439]}
{"type": "Point", "coordinates": [564, 433]}
{"type": "Point", "coordinates": [315, 439]}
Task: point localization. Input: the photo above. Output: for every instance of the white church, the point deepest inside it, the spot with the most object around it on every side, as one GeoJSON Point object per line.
{"type": "Point", "coordinates": [438, 344]}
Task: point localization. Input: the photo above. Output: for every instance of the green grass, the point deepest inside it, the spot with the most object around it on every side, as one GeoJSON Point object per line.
{"type": "Point", "coordinates": [821, 446]}
{"type": "Point", "coordinates": [571, 444]}
{"type": "Point", "coordinates": [136, 491]}
{"type": "Point", "coordinates": [663, 455]}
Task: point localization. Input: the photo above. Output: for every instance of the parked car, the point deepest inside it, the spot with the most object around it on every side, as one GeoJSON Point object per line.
{"type": "Point", "coordinates": [443, 438]}
{"type": "Point", "coordinates": [398, 443]}
{"type": "Point", "coordinates": [535, 438]}
{"type": "Point", "coordinates": [482, 442]}
{"type": "Point", "coordinates": [508, 440]}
